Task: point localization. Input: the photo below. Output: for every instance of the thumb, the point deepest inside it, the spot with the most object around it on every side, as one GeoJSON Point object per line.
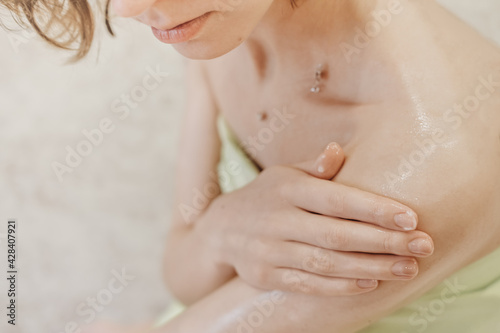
{"type": "Point", "coordinates": [327, 165]}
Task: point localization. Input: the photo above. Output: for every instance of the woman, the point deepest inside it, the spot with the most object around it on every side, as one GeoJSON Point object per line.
{"type": "Point", "coordinates": [409, 92]}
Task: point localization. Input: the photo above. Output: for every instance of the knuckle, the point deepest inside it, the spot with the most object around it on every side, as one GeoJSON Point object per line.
{"type": "Point", "coordinates": [296, 281]}
{"type": "Point", "coordinates": [336, 203]}
{"type": "Point", "coordinates": [320, 263]}
{"type": "Point", "coordinates": [388, 242]}
{"type": "Point", "coordinates": [306, 287]}
{"type": "Point", "coordinates": [336, 238]}
{"type": "Point", "coordinates": [376, 211]}
{"type": "Point", "coordinates": [289, 188]}
{"type": "Point", "coordinates": [284, 189]}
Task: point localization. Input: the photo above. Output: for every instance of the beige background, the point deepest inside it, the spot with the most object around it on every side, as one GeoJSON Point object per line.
{"type": "Point", "coordinates": [113, 210]}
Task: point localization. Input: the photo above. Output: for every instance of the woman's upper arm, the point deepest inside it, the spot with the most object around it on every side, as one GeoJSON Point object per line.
{"type": "Point", "coordinates": [456, 199]}
{"type": "Point", "coordinates": [199, 148]}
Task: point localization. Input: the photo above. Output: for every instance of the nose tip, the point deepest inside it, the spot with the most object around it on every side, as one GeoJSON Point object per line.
{"type": "Point", "coordinates": [130, 8]}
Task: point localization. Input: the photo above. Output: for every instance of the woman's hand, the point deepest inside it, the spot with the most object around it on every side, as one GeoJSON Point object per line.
{"type": "Point", "coordinates": [292, 229]}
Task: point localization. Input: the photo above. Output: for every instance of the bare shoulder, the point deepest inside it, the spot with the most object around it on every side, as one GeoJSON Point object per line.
{"type": "Point", "coordinates": [445, 165]}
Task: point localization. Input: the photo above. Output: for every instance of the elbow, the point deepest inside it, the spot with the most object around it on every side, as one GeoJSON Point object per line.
{"type": "Point", "coordinates": [175, 284]}
{"type": "Point", "coordinates": [174, 278]}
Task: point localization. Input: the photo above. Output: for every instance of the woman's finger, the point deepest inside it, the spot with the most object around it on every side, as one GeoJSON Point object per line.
{"type": "Point", "coordinates": [337, 200]}
{"type": "Point", "coordinates": [353, 236]}
{"type": "Point", "coordinates": [297, 281]}
{"type": "Point", "coordinates": [345, 264]}
{"type": "Point", "coordinates": [327, 165]}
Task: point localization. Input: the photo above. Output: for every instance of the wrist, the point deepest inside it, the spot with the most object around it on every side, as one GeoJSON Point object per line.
{"type": "Point", "coordinates": [210, 231]}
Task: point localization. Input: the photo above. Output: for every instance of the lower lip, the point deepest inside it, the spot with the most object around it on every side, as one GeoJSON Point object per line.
{"type": "Point", "coordinates": [182, 33]}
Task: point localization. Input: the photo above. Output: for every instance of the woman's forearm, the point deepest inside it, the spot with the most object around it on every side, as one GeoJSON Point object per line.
{"type": "Point", "coordinates": [192, 268]}
{"type": "Point", "coordinates": [238, 307]}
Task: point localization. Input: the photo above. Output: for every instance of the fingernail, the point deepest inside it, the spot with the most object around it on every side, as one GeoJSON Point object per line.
{"type": "Point", "coordinates": [367, 284]}
{"type": "Point", "coordinates": [406, 268]}
{"type": "Point", "coordinates": [333, 146]}
{"type": "Point", "coordinates": [407, 221]}
{"type": "Point", "coordinates": [421, 246]}
{"type": "Point", "coordinates": [319, 163]}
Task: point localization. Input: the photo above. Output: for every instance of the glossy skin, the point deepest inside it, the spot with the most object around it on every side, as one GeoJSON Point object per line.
{"type": "Point", "coordinates": [393, 96]}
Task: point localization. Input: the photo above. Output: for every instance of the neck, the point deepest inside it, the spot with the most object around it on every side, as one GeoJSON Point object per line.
{"type": "Point", "coordinates": [305, 35]}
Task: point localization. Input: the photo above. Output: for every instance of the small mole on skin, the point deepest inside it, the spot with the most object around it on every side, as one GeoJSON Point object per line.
{"type": "Point", "coordinates": [262, 115]}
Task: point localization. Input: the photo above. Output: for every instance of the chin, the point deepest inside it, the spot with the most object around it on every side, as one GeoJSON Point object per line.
{"type": "Point", "coordinates": [211, 46]}
{"type": "Point", "coordinates": [206, 50]}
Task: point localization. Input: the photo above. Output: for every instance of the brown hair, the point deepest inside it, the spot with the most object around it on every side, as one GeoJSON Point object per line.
{"type": "Point", "coordinates": [66, 24]}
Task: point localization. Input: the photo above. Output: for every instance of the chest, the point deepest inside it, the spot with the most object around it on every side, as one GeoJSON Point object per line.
{"type": "Point", "coordinates": [382, 119]}
{"type": "Point", "coordinates": [280, 121]}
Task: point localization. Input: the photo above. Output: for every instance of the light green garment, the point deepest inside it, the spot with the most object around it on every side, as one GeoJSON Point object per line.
{"type": "Point", "coordinates": [466, 302]}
